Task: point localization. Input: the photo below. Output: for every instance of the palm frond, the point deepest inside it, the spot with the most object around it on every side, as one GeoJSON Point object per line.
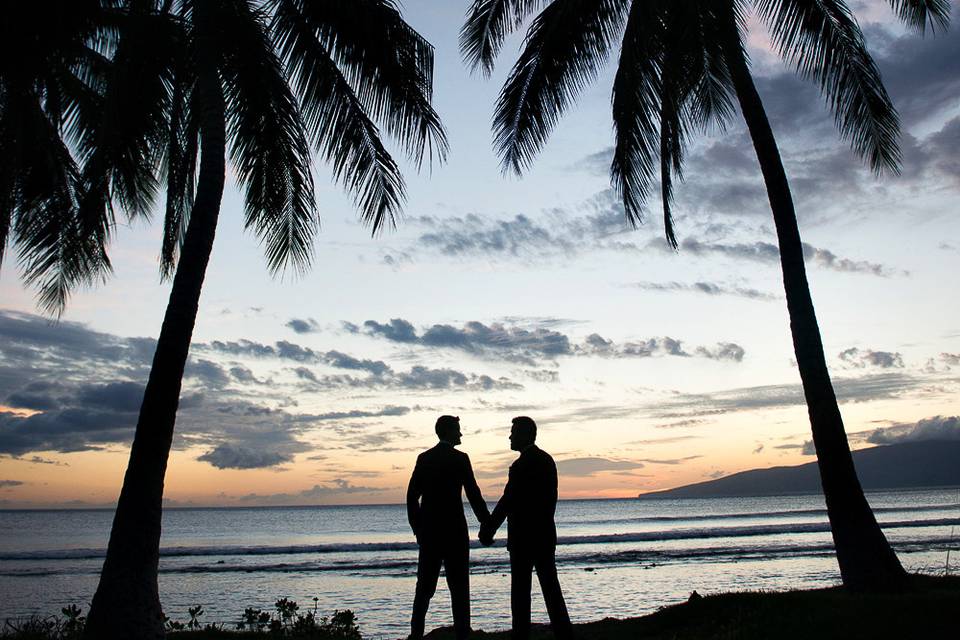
{"type": "Point", "coordinates": [920, 14]}
{"type": "Point", "coordinates": [180, 168]}
{"type": "Point", "coordinates": [57, 252]}
{"type": "Point", "coordinates": [6, 208]}
{"type": "Point", "coordinates": [691, 93]}
{"type": "Point", "coordinates": [56, 255]}
{"type": "Point", "coordinates": [342, 131]}
{"type": "Point", "coordinates": [8, 198]}
{"type": "Point", "coordinates": [488, 23]}
{"type": "Point", "coordinates": [268, 144]}
{"type": "Point", "coordinates": [672, 143]}
{"type": "Point", "coordinates": [83, 108]}
{"type": "Point", "coordinates": [713, 99]}
{"type": "Point", "coordinates": [564, 49]}
{"type": "Point", "coordinates": [824, 42]}
{"type": "Point", "coordinates": [121, 149]}
{"type": "Point", "coordinates": [386, 62]}
{"type": "Point", "coordinates": [636, 99]}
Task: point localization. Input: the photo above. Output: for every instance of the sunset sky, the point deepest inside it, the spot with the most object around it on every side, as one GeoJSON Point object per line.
{"type": "Point", "coordinates": [497, 297]}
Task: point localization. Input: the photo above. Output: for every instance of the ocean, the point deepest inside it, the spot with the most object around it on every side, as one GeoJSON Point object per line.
{"type": "Point", "coordinates": [616, 558]}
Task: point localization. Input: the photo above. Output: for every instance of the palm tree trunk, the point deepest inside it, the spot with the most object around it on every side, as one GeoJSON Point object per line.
{"type": "Point", "coordinates": [127, 602]}
{"type": "Point", "coordinates": [867, 562]}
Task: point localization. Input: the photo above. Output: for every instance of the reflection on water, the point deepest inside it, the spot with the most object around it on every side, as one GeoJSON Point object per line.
{"type": "Point", "coordinates": [616, 557]}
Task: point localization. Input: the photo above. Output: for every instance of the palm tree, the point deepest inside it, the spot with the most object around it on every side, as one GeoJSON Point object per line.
{"type": "Point", "coordinates": [261, 80]}
{"type": "Point", "coordinates": [681, 66]}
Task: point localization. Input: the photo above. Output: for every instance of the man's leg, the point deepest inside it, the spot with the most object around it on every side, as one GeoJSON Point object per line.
{"type": "Point", "coordinates": [456, 564]}
{"type": "Point", "coordinates": [553, 596]}
{"type": "Point", "coordinates": [428, 571]}
{"type": "Point", "coordinates": [521, 576]}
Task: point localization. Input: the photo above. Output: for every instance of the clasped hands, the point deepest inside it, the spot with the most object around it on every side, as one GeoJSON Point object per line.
{"type": "Point", "coordinates": [486, 533]}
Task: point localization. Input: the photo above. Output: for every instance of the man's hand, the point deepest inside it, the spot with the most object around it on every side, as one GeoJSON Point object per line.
{"type": "Point", "coordinates": [486, 535]}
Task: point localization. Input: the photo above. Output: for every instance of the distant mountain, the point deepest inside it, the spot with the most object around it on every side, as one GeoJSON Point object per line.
{"type": "Point", "coordinates": [909, 465]}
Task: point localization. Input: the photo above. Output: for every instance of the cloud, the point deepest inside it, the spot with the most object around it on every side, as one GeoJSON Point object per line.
{"type": "Point", "coordinates": [51, 405]}
{"type": "Point", "coordinates": [860, 359]}
{"type": "Point", "coordinates": [240, 347]}
{"type": "Point", "coordinates": [789, 446]}
{"type": "Point", "coordinates": [40, 395]}
{"type": "Point", "coordinates": [708, 288]}
{"type": "Point", "coordinates": [686, 406]}
{"type": "Point", "coordinates": [64, 430]}
{"type": "Point", "coordinates": [513, 343]}
{"type": "Point", "coordinates": [519, 236]}
{"type": "Point", "coordinates": [230, 456]}
{"type": "Point", "coordinates": [922, 74]}
{"type": "Point", "coordinates": [381, 376]}
{"type": "Point", "coordinates": [121, 396]}
{"type": "Point", "coordinates": [769, 253]}
{"type": "Point", "coordinates": [305, 374]}
{"type": "Point", "coordinates": [935, 428]}
{"type": "Point", "coordinates": [597, 223]}
{"type": "Point", "coordinates": [665, 440]}
{"type": "Point", "coordinates": [478, 336]}
{"type": "Point", "coordinates": [951, 359]}
{"type": "Point", "coordinates": [243, 435]}
{"type": "Point", "coordinates": [723, 351]}
{"type": "Point", "coordinates": [671, 461]}
{"type": "Point", "coordinates": [344, 361]}
{"type": "Point", "coordinates": [397, 330]}
{"type": "Point", "coordinates": [35, 460]}
{"type": "Point", "coordinates": [336, 488]}
{"type": "Point", "coordinates": [588, 467]}
{"type": "Point", "coordinates": [417, 378]}
{"type": "Point", "coordinates": [527, 346]}
{"type": "Point", "coordinates": [597, 345]}
{"type": "Point", "coordinates": [681, 424]}
{"type": "Point", "coordinates": [380, 441]}
{"type": "Point", "coordinates": [307, 325]}
{"type": "Point", "coordinates": [9, 484]}
{"type": "Point", "coordinates": [208, 372]}
{"type": "Point", "coordinates": [243, 374]}
{"type": "Point", "coordinates": [828, 260]}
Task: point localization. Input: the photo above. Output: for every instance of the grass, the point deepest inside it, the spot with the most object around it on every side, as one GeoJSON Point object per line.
{"type": "Point", "coordinates": [927, 609]}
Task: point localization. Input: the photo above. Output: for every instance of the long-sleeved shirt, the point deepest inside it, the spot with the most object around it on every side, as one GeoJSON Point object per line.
{"type": "Point", "coordinates": [435, 495]}
{"type": "Point", "coordinates": [529, 502]}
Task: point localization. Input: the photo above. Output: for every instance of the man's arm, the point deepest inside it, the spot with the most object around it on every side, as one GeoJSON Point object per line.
{"type": "Point", "coordinates": [413, 501]}
{"type": "Point", "coordinates": [554, 484]}
{"type": "Point", "coordinates": [503, 508]}
{"type": "Point", "coordinates": [472, 489]}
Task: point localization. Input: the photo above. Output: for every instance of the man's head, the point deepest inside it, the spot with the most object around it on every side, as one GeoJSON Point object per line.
{"type": "Point", "coordinates": [448, 429]}
{"type": "Point", "coordinates": [523, 433]}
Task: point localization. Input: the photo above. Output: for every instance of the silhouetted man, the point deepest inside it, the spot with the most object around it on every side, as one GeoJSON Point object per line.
{"type": "Point", "coordinates": [435, 511]}
{"type": "Point", "coordinates": [529, 501]}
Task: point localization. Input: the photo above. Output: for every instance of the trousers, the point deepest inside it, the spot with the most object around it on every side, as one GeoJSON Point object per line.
{"type": "Point", "coordinates": [522, 564]}
{"type": "Point", "coordinates": [455, 559]}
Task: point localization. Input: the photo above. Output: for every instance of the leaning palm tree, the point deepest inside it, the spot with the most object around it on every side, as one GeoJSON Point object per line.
{"type": "Point", "coordinates": [260, 81]}
{"type": "Point", "coordinates": [682, 65]}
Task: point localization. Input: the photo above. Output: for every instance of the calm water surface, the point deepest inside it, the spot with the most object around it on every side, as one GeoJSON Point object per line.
{"type": "Point", "coordinates": [616, 557]}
